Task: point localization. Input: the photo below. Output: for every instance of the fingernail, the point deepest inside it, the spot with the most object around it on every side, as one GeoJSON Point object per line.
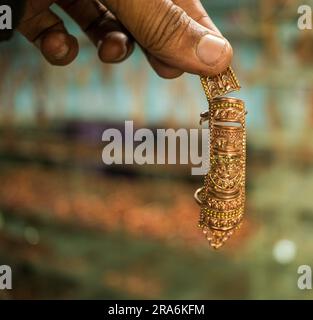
{"type": "Point", "coordinates": [211, 49]}
{"type": "Point", "coordinates": [123, 39]}
{"type": "Point", "coordinates": [118, 43]}
{"type": "Point", "coordinates": [62, 52]}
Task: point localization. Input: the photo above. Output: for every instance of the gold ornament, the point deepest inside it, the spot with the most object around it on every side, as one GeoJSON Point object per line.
{"type": "Point", "coordinates": [222, 198]}
{"type": "Point", "coordinates": [220, 84]}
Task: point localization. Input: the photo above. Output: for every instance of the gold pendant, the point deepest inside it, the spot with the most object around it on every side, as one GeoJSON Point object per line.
{"type": "Point", "coordinates": [222, 198]}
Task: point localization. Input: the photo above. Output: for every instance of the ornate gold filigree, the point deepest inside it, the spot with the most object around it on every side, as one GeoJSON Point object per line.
{"type": "Point", "coordinates": [223, 196]}
{"type": "Point", "coordinates": [220, 84]}
{"type": "Point", "coordinates": [227, 139]}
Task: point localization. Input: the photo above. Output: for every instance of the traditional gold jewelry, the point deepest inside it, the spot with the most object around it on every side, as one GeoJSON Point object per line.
{"type": "Point", "coordinates": [222, 197]}
{"type": "Point", "coordinates": [220, 84]}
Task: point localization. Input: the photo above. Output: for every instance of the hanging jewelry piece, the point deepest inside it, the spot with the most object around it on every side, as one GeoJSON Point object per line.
{"type": "Point", "coordinates": [222, 197]}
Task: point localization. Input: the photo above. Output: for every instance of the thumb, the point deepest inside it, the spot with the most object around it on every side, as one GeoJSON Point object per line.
{"type": "Point", "coordinates": [170, 35]}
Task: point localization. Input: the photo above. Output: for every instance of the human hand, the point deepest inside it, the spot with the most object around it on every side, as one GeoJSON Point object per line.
{"type": "Point", "coordinates": [41, 26]}
{"type": "Point", "coordinates": [176, 35]}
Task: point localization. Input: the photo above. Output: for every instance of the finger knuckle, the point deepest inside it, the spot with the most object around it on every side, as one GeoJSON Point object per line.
{"type": "Point", "coordinates": [167, 29]}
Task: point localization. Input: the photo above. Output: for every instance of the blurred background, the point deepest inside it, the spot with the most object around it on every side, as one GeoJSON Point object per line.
{"type": "Point", "coordinates": [71, 227]}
